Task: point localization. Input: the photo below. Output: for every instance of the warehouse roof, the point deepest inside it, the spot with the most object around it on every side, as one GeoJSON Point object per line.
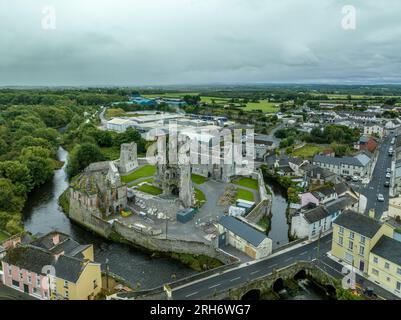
{"type": "Point", "coordinates": [242, 230]}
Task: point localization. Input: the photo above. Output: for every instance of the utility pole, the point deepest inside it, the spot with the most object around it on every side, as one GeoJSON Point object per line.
{"type": "Point", "coordinates": [107, 274]}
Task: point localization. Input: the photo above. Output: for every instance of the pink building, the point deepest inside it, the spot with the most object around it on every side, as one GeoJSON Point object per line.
{"type": "Point", "coordinates": [307, 198]}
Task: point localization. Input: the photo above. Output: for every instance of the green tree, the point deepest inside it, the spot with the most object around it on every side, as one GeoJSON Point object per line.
{"type": "Point", "coordinates": [82, 156]}
{"type": "Point", "coordinates": [39, 164]}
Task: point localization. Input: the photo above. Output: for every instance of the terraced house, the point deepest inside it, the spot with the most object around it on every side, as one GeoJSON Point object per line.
{"type": "Point", "coordinates": [370, 246]}
{"type": "Point", "coordinates": [53, 267]}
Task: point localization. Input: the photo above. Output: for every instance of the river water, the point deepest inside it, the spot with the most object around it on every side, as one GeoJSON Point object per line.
{"type": "Point", "coordinates": [279, 226]}
{"type": "Point", "coordinates": [42, 214]}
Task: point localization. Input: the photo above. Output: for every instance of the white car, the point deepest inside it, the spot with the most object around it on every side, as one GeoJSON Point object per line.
{"type": "Point", "coordinates": [380, 197]}
{"type": "Point", "coordinates": [355, 178]}
{"type": "Point", "coordinates": [388, 170]}
{"type": "Point", "coordinates": [388, 175]}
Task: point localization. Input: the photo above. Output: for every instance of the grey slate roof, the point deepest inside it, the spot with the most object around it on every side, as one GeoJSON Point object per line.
{"type": "Point", "coordinates": [341, 188]}
{"type": "Point", "coordinates": [316, 214]}
{"type": "Point", "coordinates": [34, 259]}
{"type": "Point", "coordinates": [388, 249]}
{"type": "Point", "coordinates": [340, 204]}
{"type": "Point", "coordinates": [359, 160]}
{"type": "Point", "coordinates": [358, 223]}
{"type": "Point", "coordinates": [242, 230]}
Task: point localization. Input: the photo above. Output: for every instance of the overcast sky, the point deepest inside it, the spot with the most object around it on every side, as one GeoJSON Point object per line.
{"type": "Point", "coordinates": [145, 42]}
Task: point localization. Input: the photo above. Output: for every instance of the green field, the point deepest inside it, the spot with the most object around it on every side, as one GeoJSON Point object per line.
{"type": "Point", "coordinates": [265, 106]}
{"type": "Point", "coordinates": [247, 182]}
{"type": "Point", "coordinates": [245, 195]}
{"type": "Point", "coordinates": [308, 151]}
{"type": "Point", "coordinates": [147, 188]}
{"type": "Point", "coordinates": [145, 171]}
{"type": "Point", "coordinates": [198, 179]}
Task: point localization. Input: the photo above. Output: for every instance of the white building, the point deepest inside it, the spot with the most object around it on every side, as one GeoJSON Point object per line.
{"type": "Point", "coordinates": [373, 129]}
{"type": "Point", "coordinates": [310, 223]}
{"type": "Point", "coordinates": [243, 237]}
{"type": "Point", "coordinates": [119, 124]}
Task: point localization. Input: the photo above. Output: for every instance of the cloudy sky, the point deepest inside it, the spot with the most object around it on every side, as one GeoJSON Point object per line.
{"type": "Point", "coordinates": [152, 42]}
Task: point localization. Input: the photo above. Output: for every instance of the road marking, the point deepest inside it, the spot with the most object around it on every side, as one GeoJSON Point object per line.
{"type": "Point", "coordinates": [235, 279]}
{"type": "Point", "coordinates": [216, 285]}
{"type": "Point", "coordinates": [191, 294]}
{"type": "Point", "coordinates": [305, 252]}
{"type": "Point", "coordinates": [253, 272]}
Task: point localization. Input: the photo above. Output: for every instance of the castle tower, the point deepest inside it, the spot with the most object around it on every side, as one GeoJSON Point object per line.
{"type": "Point", "coordinates": [128, 158]}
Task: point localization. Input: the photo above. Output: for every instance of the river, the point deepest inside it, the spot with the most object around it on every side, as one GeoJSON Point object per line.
{"type": "Point", "coordinates": [42, 214]}
{"type": "Point", "coordinates": [279, 226]}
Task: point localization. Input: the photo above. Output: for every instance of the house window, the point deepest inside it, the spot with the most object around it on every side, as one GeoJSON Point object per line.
{"type": "Point", "coordinates": [29, 278]}
{"type": "Point", "coordinates": [94, 284]}
{"type": "Point", "coordinates": [399, 270]}
{"type": "Point", "coordinates": [66, 294]}
{"type": "Point", "coordinates": [388, 279]}
{"type": "Point", "coordinates": [351, 235]}
{"type": "Point", "coordinates": [386, 265]}
{"type": "Point", "coordinates": [15, 283]}
{"type": "Point", "coordinates": [66, 284]}
{"type": "Point", "coordinates": [375, 272]}
{"type": "Point", "coordinates": [38, 281]}
{"type": "Point", "coordinates": [21, 276]}
{"type": "Point", "coordinates": [341, 230]}
{"type": "Point", "coordinates": [9, 271]}
{"type": "Point", "coordinates": [363, 240]}
{"type": "Point", "coordinates": [340, 241]}
{"type": "Point", "coordinates": [351, 245]}
{"type": "Point", "coordinates": [361, 250]}
{"type": "Point", "coordinates": [375, 260]}
{"type": "Point", "coordinates": [398, 286]}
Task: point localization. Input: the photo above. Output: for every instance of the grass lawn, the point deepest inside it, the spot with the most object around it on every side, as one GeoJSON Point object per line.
{"type": "Point", "coordinates": [3, 236]}
{"type": "Point", "coordinates": [265, 106]}
{"type": "Point", "coordinates": [200, 197]}
{"type": "Point", "coordinates": [308, 151]}
{"type": "Point", "coordinates": [245, 195]}
{"type": "Point", "coordinates": [147, 188]}
{"type": "Point", "coordinates": [114, 112]}
{"type": "Point", "coordinates": [150, 180]}
{"type": "Point", "coordinates": [145, 171]}
{"type": "Point", "coordinates": [247, 182]}
{"type": "Point", "coordinates": [198, 179]}
{"type": "Point", "coordinates": [111, 153]}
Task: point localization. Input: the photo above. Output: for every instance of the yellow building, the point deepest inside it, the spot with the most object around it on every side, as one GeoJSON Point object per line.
{"type": "Point", "coordinates": [385, 264]}
{"type": "Point", "coordinates": [372, 247]}
{"type": "Point", "coordinates": [353, 238]}
{"type": "Point", "coordinates": [53, 267]}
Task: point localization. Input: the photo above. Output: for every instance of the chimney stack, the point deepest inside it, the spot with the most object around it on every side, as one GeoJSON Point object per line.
{"type": "Point", "coordinates": [56, 239]}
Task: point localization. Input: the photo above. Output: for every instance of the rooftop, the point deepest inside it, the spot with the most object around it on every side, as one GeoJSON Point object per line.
{"type": "Point", "coordinates": [388, 249]}
{"type": "Point", "coordinates": [358, 223]}
{"type": "Point", "coordinates": [315, 214]}
{"type": "Point", "coordinates": [243, 230]}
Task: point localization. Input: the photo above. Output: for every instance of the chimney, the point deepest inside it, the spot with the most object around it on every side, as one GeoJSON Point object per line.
{"type": "Point", "coordinates": [56, 239]}
{"type": "Point", "coordinates": [372, 213]}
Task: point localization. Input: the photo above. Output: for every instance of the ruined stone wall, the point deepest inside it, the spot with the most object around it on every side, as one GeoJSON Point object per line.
{"type": "Point", "coordinates": [167, 245]}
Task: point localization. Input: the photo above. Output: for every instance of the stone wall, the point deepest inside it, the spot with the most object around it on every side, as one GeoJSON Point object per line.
{"type": "Point", "coordinates": [167, 245]}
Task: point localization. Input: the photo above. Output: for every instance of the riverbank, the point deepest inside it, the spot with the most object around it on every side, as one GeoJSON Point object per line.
{"type": "Point", "coordinates": [43, 214]}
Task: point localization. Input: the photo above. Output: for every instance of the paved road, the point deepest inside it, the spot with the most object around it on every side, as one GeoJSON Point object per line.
{"type": "Point", "coordinates": [376, 184]}
{"type": "Point", "coordinates": [207, 287]}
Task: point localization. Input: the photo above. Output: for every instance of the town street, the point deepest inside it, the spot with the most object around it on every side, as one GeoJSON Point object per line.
{"type": "Point", "coordinates": [376, 184]}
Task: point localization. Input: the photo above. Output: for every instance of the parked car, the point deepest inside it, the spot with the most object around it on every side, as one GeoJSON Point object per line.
{"type": "Point", "coordinates": [387, 184]}
{"type": "Point", "coordinates": [388, 170]}
{"type": "Point", "coordinates": [355, 178]}
{"type": "Point", "coordinates": [380, 197]}
{"type": "Point", "coordinates": [388, 175]}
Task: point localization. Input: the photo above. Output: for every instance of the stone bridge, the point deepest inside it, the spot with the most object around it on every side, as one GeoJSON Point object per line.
{"type": "Point", "coordinates": [255, 288]}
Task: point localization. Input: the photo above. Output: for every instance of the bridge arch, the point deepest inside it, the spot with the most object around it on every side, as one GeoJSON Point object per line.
{"type": "Point", "coordinates": [301, 274]}
{"type": "Point", "coordinates": [278, 285]}
{"type": "Point", "coordinates": [253, 294]}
